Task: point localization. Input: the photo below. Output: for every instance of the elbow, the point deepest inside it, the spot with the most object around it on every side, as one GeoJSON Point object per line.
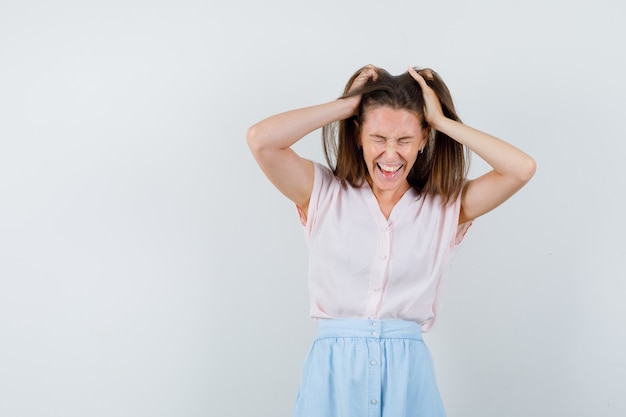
{"type": "Point", "coordinates": [253, 138]}
{"type": "Point", "coordinates": [527, 169]}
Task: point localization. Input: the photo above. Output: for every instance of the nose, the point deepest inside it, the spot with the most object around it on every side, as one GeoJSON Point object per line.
{"type": "Point", "coordinates": [390, 147]}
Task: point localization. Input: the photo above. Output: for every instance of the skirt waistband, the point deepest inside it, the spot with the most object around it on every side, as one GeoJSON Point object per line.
{"type": "Point", "coordinates": [378, 329]}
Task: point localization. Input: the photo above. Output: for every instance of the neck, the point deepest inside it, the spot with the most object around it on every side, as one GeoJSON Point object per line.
{"type": "Point", "coordinates": [387, 199]}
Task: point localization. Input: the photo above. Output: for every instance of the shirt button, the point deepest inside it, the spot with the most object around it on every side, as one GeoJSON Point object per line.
{"type": "Point", "coordinates": [384, 228]}
{"type": "Point", "coordinates": [374, 402]}
{"type": "Point", "coordinates": [383, 257]}
{"type": "Point", "coordinates": [374, 363]}
{"type": "Point", "coordinates": [374, 333]}
{"type": "Point", "coordinates": [374, 323]}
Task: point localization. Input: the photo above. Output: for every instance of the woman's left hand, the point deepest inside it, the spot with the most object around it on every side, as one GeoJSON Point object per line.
{"type": "Point", "coordinates": [432, 106]}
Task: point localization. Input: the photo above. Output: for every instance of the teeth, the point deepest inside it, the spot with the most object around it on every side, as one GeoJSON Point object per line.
{"type": "Point", "coordinates": [389, 168]}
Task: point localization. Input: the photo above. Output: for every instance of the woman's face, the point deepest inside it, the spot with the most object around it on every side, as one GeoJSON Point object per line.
{"type": "Point", "coordinates": [391, 139]}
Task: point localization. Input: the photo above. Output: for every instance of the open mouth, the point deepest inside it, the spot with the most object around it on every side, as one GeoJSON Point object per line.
{"type": "Point", "coordinates": [389, 169]}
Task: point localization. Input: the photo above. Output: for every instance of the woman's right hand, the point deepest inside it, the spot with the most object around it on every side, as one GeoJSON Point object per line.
{"type": "Point", "coordinates": [368, 72]}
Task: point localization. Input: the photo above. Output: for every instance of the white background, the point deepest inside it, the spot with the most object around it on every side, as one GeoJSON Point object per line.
{"type": "Point", "coordinates": [147, 268]}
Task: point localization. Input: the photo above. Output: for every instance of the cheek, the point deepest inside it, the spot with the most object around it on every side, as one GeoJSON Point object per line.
{"type": "Point", "coordinates": [369, 152]}
{"type": "Point", "coordinates": [411, 155]}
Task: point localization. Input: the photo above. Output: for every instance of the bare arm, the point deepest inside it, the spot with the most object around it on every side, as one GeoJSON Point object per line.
{"type": "Point", "coordinates": [271, 139]}
{"type": "Point", "coordinates": [512, 168]}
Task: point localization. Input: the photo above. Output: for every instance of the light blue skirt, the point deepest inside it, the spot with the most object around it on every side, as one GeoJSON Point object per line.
{"type": "Point", "coordinates": [368, 368]}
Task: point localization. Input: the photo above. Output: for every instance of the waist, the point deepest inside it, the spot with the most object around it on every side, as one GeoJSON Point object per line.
{"type": "Point", "coordinates": [379, 329]}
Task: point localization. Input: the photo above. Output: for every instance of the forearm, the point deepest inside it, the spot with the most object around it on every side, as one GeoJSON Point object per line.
{"type": "Point", "coordinates": [504, 158]}
{"type": "Point", "coordinates": [281, 131]}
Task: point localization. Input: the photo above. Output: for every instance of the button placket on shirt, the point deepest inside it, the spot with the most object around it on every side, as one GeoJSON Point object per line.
{"type": "Point", "coordinates": [379, 271]}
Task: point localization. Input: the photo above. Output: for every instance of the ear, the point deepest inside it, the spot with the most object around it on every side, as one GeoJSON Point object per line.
{"type": "Point", "coordinates": [427, 131]}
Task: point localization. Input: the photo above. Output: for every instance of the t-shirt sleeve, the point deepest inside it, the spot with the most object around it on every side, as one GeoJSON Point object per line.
{"type": "Point", "coordinates": [323, 181]}
{"type": "Point", "coordinates": [461, 231]}
{"type": "Point", "coordinates": [462, 228]}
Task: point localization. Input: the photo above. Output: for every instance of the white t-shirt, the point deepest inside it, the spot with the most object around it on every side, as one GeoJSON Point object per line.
{"type": "Point", "coordinates": [362, 265]}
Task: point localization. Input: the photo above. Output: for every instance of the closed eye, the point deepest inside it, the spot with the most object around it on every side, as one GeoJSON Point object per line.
{"type": "Point", "coordinates": [405, 140]}
{"type": "Point", "coordinates": [378, 139]}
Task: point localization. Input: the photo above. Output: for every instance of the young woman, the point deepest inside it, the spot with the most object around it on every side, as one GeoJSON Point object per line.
{"type": "Point", "coordinates": [381, 225]}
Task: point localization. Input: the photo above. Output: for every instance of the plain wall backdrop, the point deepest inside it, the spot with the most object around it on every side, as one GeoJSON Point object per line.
{"type": "Point", "coordinates": [148, 268]}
